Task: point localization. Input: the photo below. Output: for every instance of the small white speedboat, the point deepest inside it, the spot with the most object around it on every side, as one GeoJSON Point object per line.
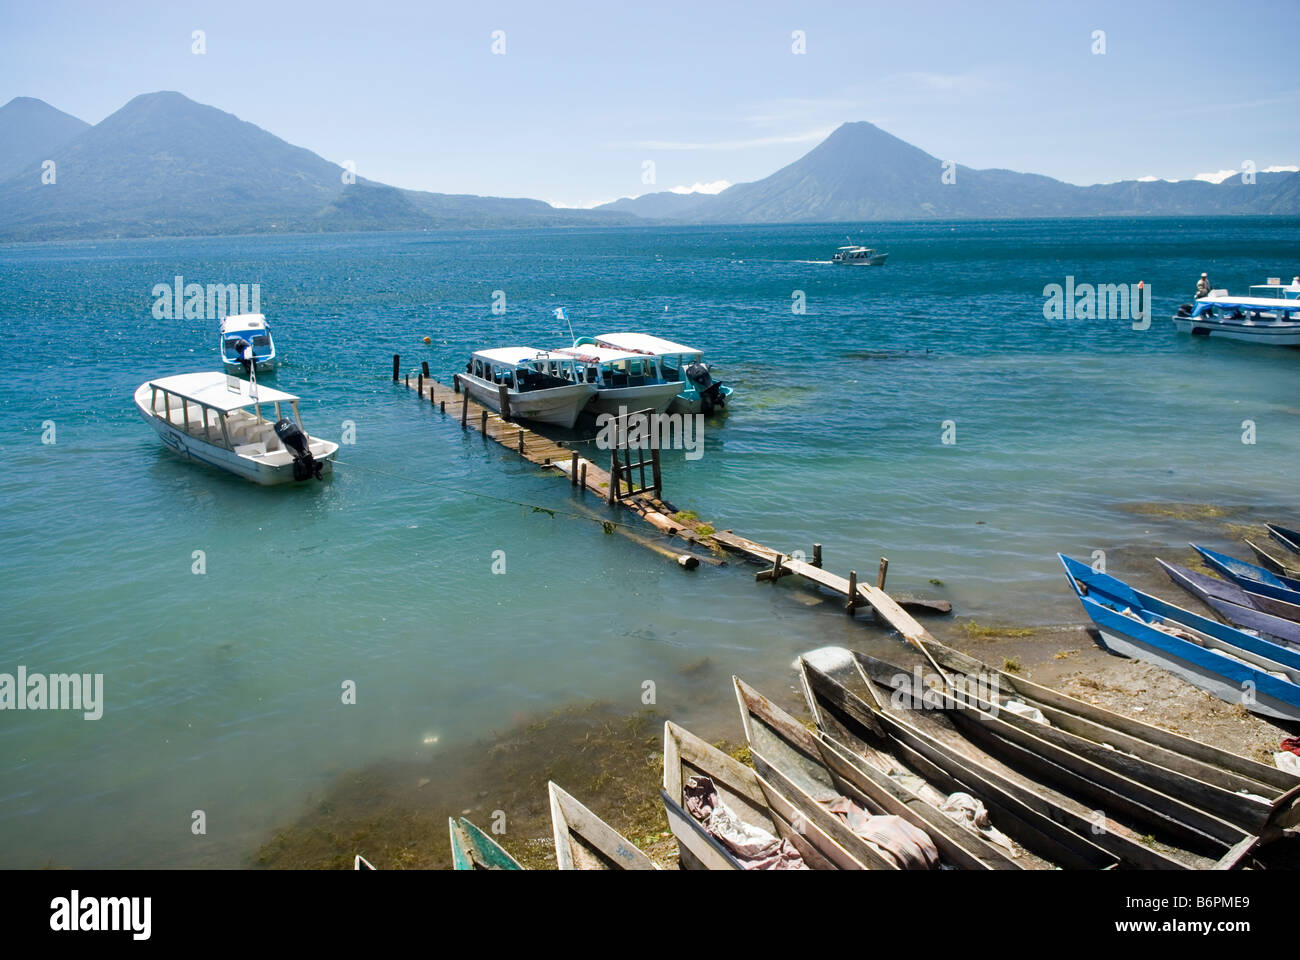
{"type": "Point", "coordinates": [540, 386]}
{"type": "Point", "coordinates": [698, 390]}
{"type": "Point", "coordinates": [218, 420]}
{"type": "Point", "coordinates": [245, 337]}
{"type": "Point", "coordinates": [859, 256]}
{"type": "Point", "coordinates": [625, 382]}
{"type": "Point", "coordinates": [1269, 320]}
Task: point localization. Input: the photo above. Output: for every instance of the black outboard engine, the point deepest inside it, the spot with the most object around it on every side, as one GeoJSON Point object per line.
{"type": "Point", "coordinates": [709, 389]}
{"type": "Point", "coordinates": [1185, 310]}
{"type": "Point", "coordinates": [295, 441]}
{"type": "Point", "coordinates": [242, 351]}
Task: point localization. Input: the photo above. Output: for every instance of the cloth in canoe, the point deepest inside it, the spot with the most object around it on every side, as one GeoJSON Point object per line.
{"type": "Point", "coordinates": [965, 809]}
{"type": "Point", "coordinates": [754, 847]}
{"type": "Point", "coordinates": [1173, 631]}
{"type": "Point", "coordinates": [907, 846]}
{"type": "Point", "coordinates": [1291, 743]}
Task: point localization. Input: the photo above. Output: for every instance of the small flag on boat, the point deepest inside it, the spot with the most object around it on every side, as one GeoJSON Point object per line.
{"type": "Point", "coordinates": [560, 314]}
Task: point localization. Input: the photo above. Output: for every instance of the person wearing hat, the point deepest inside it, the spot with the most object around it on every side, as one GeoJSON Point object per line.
{"type": "Point", "coordinates": [1203, 286]}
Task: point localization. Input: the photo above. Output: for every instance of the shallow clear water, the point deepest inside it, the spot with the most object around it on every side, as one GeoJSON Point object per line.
{"type": "Point", "coordinates": [223, 690]}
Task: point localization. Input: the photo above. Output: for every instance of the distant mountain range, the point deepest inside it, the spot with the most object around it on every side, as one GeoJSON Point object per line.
{"type": "Point", "coordinates": [164, 165]}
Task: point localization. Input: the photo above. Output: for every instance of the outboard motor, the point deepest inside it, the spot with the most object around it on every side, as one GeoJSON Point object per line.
{"type": "Point", "coordinates": [295, 441]}
{"type": "Point", "coordinates": [243, 350]}
{"type": "Point", "coordinates": [701, 375]}
{"type": "Point", "coordinates": [1185, 310]}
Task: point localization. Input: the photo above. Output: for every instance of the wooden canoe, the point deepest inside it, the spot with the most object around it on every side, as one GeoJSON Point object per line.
{"type": "Point", "coordinates": [1279, 596]}
{"type": "Point", "coordinates": [585, 842]}
{"type": "Point", "coordinates": [1233, 604]}
{"type": "Point", "coordinates": [472, 849]}
{"type": "Point", "coordinates": [1131, 821]}
{"type": "Point", "coordinates": [361, 863]}
{"type": "Point", "coordinates": [1238, 667]}
{"type": "Point", "coordinates": [1290, 539]}
{"type": "Point", "coordinates": [812, 772]}
{"type": "Point", "coordinates": [753, 800]}
{"type": "Point", "coordinates": [1271, 563]}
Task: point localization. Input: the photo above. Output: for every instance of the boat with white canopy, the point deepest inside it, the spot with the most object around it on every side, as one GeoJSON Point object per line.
{"type": "Point", "coordinates": [699, 391]}
{"type": "Point", "coordinates": [624, 381]}
{"type": "Point", "coordinates": [859, 257]}
{"type": "Point", "coordinates": [219, 420]}
{"type": "Point", "coordinates": [545, 387]}
{"type": "Point", "coordinates": [246, 338]}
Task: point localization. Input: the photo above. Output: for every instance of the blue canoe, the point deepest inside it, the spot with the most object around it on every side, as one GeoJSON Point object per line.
{"type": "Point", "coordinates": [1273, 594]}
{"type": "Point", "coordinates": [1236, 667]}
{"type": "Point", "coordinates": [1233, 604]}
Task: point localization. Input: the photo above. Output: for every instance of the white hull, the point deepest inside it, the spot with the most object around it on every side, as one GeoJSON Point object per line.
{"type": "Point", "coordinates": [1275, 334]}
{"type": "Point", "coordinates": [556, 405]}
{"type": "Point", "coordinates": [269, 468]}
{"type": "Point", "coordinates": [234, 367]}
{"type": "Point", "coordinates": [656, 396]}
{"type": "Point", "coordinates": [1198, 676]}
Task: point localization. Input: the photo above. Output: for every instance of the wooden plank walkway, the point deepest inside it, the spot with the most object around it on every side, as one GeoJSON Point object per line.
{"type": "Point", "coordinates": [663, 515]}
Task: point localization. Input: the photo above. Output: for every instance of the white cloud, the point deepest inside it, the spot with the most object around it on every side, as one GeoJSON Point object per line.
{"type": "Point", "coordinates": [713, 186]}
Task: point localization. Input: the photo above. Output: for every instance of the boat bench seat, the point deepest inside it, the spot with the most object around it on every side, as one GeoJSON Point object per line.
{"type": "Point", "coordinates": [250, 449]}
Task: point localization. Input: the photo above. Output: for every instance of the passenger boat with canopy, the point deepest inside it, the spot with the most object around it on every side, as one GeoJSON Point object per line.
{"type": "Point", "coordinates": [624, 381]}
{"type": "Point", "coordinates": [1270, 320]}
{"type": "Point", "coordinates": [245, 337]}
{"type": "Point", "coordinates": [544, 387]}
{"type": "Point", "coordinates": [859, 256]}
{"type": "Point", "coordinates": [218, 420]}
{"type": "Point", "coordinates": [699, 391]}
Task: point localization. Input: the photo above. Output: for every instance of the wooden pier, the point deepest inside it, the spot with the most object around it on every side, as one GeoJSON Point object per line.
{"type": "Point", "coordinates": [625, 483]}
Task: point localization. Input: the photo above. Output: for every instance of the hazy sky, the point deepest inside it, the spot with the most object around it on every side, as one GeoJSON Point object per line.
{"type": "Point", "coordinates": [585, 93]}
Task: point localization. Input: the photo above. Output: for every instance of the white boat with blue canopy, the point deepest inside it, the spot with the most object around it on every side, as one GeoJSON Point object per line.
{"type": "Point", "coordinates": [1269, 320]}
{"type": "Point", "coordinates": [1235, 666]}
{"type": "Point", "coordinates": [218, 420]}
{"type": "Point", "coordinates": [625, 382]}
{"type": "Point", "coordinates": [699, 391]}
{"type": "Point", "coordinates": [245, 338]}
{"type": "Point", "coordinates": [537, 385]}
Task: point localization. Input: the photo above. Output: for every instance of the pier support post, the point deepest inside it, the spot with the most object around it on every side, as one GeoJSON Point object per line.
{"type": "Point", "coordinates": [397, 363]}
{"type": "Point", "coordinates": [464, 410]}
{"type": "Point", "coordinates": [482, 423]}
{"type": "Point", "coordinates": [817, 555]}
{"type": "Point", "coordinates": [503, 392]}
{"type": "Point", "coordinates": [573, 469]}
{"type": "Point", "coordinates": [455, 383]}
{"type": "Point", "coordinates": [880, 574]}
{"type": "Point", "coordinates": [654, 469]}
{"type": "Point", "coordinates": [852, 605]}
{"type": "Point", "coordinates": [582, 478]}
{"type": "Point", "coordinates": [419, 385]}
{"type": "Point", "coordinates": [613, 476]}
{"type": "Point", "coordinates": [407, 381]}
{"type": "Point", "coordinates": [442, 406]}
{"type": "Point", "coordinates": [521, 443]}
{"type": "Point", "coordinates": [424, 366]}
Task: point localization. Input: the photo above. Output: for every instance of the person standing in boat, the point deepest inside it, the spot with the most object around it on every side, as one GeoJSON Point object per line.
{"type": "Point", "coordinates": [1203, 286]}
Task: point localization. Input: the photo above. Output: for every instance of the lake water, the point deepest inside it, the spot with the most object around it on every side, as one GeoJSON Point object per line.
{"type": "Point", "coordinates": [223, 690]}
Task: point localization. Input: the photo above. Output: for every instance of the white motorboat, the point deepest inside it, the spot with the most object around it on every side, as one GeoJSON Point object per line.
{"type": "Point", "coordinates": [540, 386]}
{"type": "Point", "coordinates": [1270, 320]}
{"type": "Point", "coordinates": [625, 382]}
{"type": "Point", "coordinates": [698, 390]}
{"type": "Point", "coordinates": [217, 419]}
{"type": "Point", "coordinates": [245, 338]}
{"type": "Point", "coordinates": [859, 256]}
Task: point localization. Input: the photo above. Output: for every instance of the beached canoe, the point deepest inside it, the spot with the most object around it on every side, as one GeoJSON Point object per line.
{"type": "Point", "coordinates": [1273, 564]}
{"type": "Point", "coordinates": [815, 774]}
{"type": "Point", "coordinates": [1061, 805]}
{"type": "Point", "coordinates": [583, 841]}
{"type": "Point", "coordinates": [1233, 604]}
{"type": "Point", "coordinates": [1235, 666]}
{"type": "Point", "coordinates": [754, 801]}
{"type": "Point", "coordinates": [472, 849]}
{"type": "Point", "coordinates": [361, 863]}
{"type": "Point", "coordinates": [1290, 539]}
{"type": "Point", "coordinates": [1279, 596]}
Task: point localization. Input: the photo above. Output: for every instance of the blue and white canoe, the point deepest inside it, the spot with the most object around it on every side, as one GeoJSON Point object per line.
{"type": "Point", "coordinates": [1233, 604]}
{"type": "Point", "coordinates": [1273, 594]}
{"type": "Point", "coordinates": [1236, 667]}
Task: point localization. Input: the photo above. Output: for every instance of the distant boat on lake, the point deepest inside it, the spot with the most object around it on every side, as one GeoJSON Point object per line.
{"type": "Point", "coordinates": [859, 257]}
{"type": "Point", "coordinates": [246, 336]}
{"type": "Point", "coordinates": [1269, 320]}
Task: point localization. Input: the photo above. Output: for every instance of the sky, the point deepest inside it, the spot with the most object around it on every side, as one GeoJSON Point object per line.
{"type": "Point", "coordinates": [585, 95]}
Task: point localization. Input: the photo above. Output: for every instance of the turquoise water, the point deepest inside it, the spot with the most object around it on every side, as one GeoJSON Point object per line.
{"type": "Point", "coordinates": [223, 690]}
